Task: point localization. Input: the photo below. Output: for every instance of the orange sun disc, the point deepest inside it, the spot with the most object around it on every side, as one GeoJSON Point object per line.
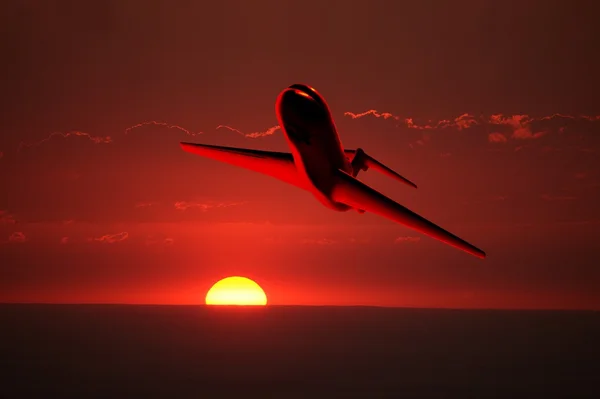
{"type": "Point", "coordinates": [236, 290]}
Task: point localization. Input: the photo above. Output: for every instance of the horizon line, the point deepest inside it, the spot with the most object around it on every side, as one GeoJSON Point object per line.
{"type": "Point", "coordinates": [202, 305]}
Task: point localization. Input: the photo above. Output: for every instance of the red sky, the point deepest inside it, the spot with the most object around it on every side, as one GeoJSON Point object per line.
{"type": "Point", "coordinates": [491, 108]}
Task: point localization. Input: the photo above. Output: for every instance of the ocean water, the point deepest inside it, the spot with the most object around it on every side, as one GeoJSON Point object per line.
{"type": "Point", "coordinates": [110, 351]}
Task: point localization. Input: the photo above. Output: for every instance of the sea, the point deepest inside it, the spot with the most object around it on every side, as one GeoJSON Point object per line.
{"type": "Point", "coordinates": [148, 351]}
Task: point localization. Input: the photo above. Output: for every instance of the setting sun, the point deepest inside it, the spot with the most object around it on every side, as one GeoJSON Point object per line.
{"type": "Point", "coordinates": [236, 290]}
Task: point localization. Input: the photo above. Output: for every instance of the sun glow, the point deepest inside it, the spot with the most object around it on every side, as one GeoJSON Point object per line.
{"type": "Point", "coordinates": [236, 290]}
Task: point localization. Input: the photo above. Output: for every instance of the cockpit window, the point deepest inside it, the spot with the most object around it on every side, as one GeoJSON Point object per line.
{"type": "Point", "coordinates": [310, 91]}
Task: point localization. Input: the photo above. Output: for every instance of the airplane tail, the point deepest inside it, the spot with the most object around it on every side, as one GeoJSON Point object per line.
{"type": "Point", "coordinates": [362, 161]}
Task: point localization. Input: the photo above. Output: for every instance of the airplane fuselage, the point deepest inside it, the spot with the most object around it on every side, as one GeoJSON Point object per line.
{"type": "Point", "coordinates": [319, 164]}
{"type": "Point", "coordinates": [311, 134]}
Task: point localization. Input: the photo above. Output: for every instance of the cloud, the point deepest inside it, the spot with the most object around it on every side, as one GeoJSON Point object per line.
{"type": "Point", "coordinates": [467, 120]}
{"type": "Point", "coordinates": [318, 241]}
{"type": "Point", "coordinates": [253, 135]}
{"type": "Point", "coordinates": [1, 154]}
{"type": "Point", "coordinates": [463, 121]}
{"type": "Point", "coordinates": [330, 241]}
{"type": "Point", "coordinates": [407, 239]}
{"type": "Point", "coordinates": [589, 118]}
{"type": "Point", "coordinates": [266, 132]}
{"type": "Point", "coordinates": [17, 237]}
{"type": "Point", "coordinates": [525, 133]}
{"type": "Point", "coordinates": [109, 139]}
{"type": "Point", "coordinates": [144, 204]}
{"type": "Point", "coordinates": [112, 238]}
{"type": "Point", "coordinates": [161, 124]}
{"type": "Point", "coordinates": [6, 218]}
{"type": "Point", "coordinates": [425, 138]}
{"type": "Point", "coordinates": [580, 175]}
{"type": "Point", "coordinates": [521, 127]}
{"type": "Point", "coordinates": [203, 206]}
{"type": "Point", "coordinates": [64, 240]}
{"type": "Point", "coordinates": [497, 138]}
{"type": "Point", "coordinates": [92, 138]}
{"type": "Point", "coordinates": [153, 241]}
{"type": "Point", "coordinates": [372, 112]}
{"type": "Point", "coordinates": [520, 124]}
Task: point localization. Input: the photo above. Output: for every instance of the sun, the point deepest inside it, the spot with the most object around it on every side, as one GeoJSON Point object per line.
{"type": "Point", "coordinates": [236, 290]}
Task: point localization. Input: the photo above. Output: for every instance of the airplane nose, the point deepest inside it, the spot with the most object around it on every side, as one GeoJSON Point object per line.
{"type": "Point", "coordinates": [291, 96]}
{"type": "Point", "coordinates": [310, 91]}
{"type": "Point", "coordinates": [296, 103]}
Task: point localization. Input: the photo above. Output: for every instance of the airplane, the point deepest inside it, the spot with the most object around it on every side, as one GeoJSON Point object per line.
{"type": "Point", "coordinates": [319, 164]}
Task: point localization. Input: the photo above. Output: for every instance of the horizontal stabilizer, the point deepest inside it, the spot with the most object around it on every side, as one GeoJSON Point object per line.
{"type": "Point", "coordinates": [365, 161]}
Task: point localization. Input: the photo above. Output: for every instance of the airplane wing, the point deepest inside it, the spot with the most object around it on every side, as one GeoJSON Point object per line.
{"type": "Point", "coordinates": [355, 193]}
{"type": "Point", "coordinates": [279, 165]}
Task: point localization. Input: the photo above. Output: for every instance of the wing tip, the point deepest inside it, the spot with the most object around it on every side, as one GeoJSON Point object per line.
{"type": "Point", "coordinates": [480, 254]}
{"type": "Point", "coordinates": [468, 248]}
{"type": "Point", "coordinates": [463, 246]}
{"type": "Point", "coordinates": [405, 180]}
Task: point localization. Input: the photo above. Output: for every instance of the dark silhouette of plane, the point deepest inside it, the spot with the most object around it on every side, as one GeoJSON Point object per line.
{"type": "Point", "coordinates": [319, 164]}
